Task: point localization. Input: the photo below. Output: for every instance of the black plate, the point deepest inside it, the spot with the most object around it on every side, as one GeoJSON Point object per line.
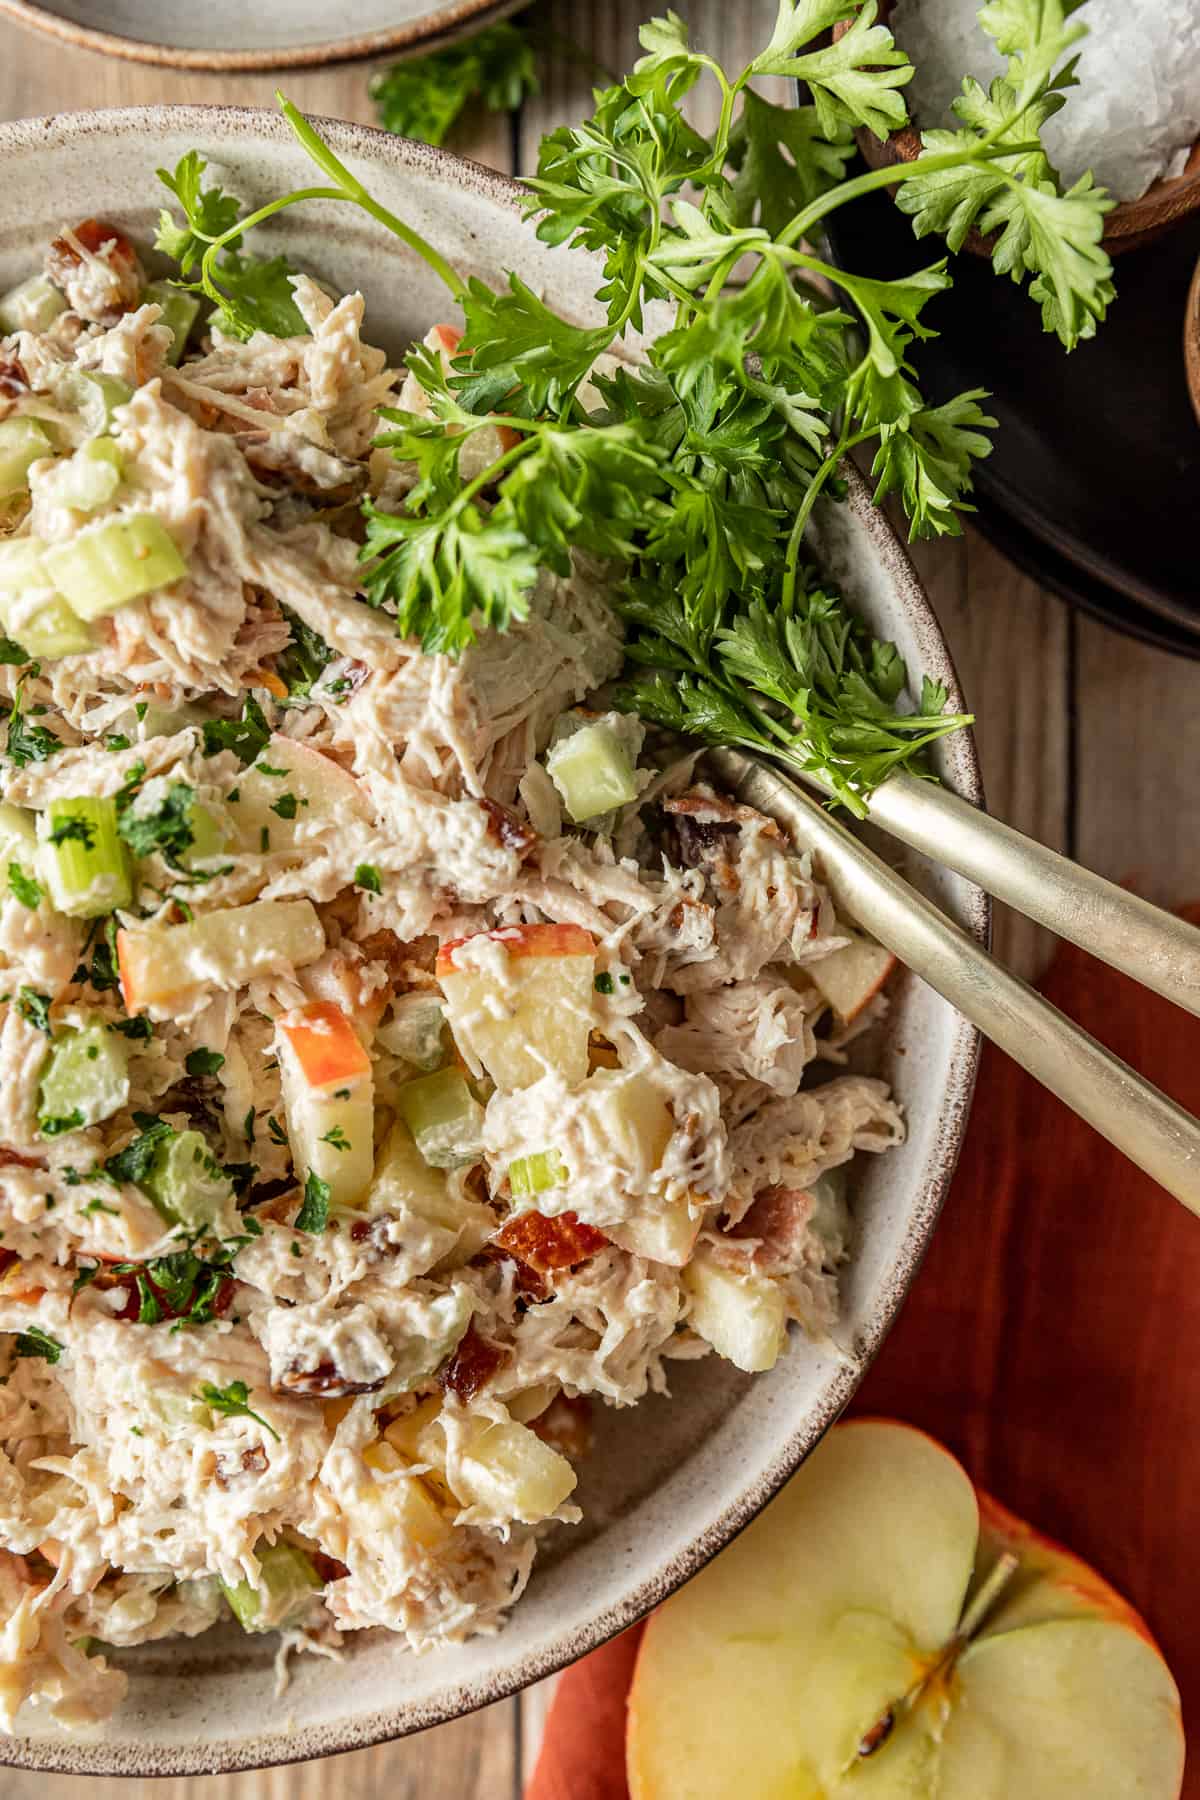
{"type": "Point", "coordinates": [1094, 481]}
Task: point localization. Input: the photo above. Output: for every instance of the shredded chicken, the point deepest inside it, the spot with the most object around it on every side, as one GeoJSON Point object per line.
{"type": "Point", "coordinates": [228, 1385]}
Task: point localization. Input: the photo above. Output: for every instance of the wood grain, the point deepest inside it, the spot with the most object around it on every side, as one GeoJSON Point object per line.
{"type": "Point", "coordinates": [1087, 741]}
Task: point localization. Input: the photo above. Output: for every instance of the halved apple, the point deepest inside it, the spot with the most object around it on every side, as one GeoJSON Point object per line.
{"type": "Point", "coordinates": [328, 1098]}
{"type": "Point", "coordinates": [520, 1001]}
{"type": "Point", "coordinates": [850, 977]}
{"type": "Point", "coordinates": [882, 1631]}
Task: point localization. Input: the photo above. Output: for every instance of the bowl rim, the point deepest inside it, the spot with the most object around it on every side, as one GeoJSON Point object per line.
{"type": "Point", "coordinates": [83, 1756]}
{"type": "Point", "coordinates": [452, 19]}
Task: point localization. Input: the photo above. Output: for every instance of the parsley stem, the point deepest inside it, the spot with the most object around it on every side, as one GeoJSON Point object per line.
{"type": "Point", "coordinates": [804, 511]}
{"type": "Point", "coordinates": [896, 172]}
{"type": "Point", "coordinates": [350, 188]}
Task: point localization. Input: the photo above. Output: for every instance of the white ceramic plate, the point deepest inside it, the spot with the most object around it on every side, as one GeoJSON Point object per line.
{"type": "Point", "coordinates": [274, 34]}
{"type": "Point", "coordinates": [674, 1480]}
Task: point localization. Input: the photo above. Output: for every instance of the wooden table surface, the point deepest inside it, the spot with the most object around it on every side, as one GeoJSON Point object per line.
{"type": "Point", "coordinates": [1089, 740]}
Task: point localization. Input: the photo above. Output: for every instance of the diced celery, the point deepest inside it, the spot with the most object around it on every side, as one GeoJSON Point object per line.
{"type": "Point", "coordinates": [33, 305]}
{"type": "Point", "coordinates": [444, 1117]}
{"type": "Point", "coordinates": [86, 1079]}
{"type": "Point", "coordinates": [22, 443]}
{"type": "Point", "coordinates": [534, 1174]}
{"type": "Point", "coordinates": [179, 314]}
{"type": "Point", "coordinates": [208, 837]}
{"type": "Point", "coordinates": [186, 1183]}
{"type": "Point", "coordinates": [118, 560]}
{"type": "Point", "coordinates": [30, 610]}
{"type": "Point", "coordinates": [415, 1030]}
{"type": "Point", "coordinates": [287, 1581]}
{"type": "Point", "coordinates": [173, 1410]}
{"type": "Point", "coordinates": [91, 477]}
{"type": "Point", "coordinates": [592, 771]}
{"type": "Point", "coordinates": [93, 395]}
{"type": "Point", "coordinates": [84, 862]}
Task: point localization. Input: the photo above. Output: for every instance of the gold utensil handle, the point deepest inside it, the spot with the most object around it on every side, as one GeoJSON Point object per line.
{"type": "Point", "coordinates": [1129, 1111]}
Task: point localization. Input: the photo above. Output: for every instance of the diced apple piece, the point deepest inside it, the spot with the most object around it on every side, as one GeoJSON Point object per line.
{"type": "Point", "coordinates": [742, 1315]}
{"type": "Point", "coordinates": [507, 1470]}
{"type": "Point", "coordinates": [319, 787]}
{"type": "Point", "coordinates": [857, 1641]}
{"type": "Point", "coordinates": [851, 977]}
{"type": "Point", "coordinates": [520, 1001]}
{"type": "Point", "coordinates": [404, 1181]}
{"type": "Point", "coordinates": [329, 1098]}
{"type": "Point", "coordinates": [405, 1506]}
{"type": "Point", "coordinates": [164, 966]}
{"type": "Point", "coordinates": [666, 1235]}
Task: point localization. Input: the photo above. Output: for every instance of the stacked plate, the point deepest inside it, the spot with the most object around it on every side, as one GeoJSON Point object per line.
{"type": "Point", "coordinates": [1097, 452]}
{"type": "Point", "coordinates": [228, 34]}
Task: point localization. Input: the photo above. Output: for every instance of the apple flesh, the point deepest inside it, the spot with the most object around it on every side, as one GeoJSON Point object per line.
{"type": "Point", "coordinates": [851, 977]}
{"type": "Point", "coordinates": [883, 1631]}
{"type": "Point", "coordinates": [520, 1001]}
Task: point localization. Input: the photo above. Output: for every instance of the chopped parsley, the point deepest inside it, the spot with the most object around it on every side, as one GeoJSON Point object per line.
{"type": "Point", "coordinates": [97, 1206]}
{"type": "Point", "coordinates": [246, 737]}
{"type": "Point", "coordinates": [73, 829]}
{"type": "Point", "coordinates": [604, 983]}
{"type": "Point", "coordinates": [58, 1127]}
{"type": "Point", "coordinates": [263, 768]}
{"type": "Point", "coordinates": [275, 1131]}
{"type": "Point", "coordinates": [336, 1138]}
{"type": "Point", "coordinates": [116, 740]}
{"type": "Point", "coordinates": [136, 1160]}
{"type": "Point", "coordinates": [314, 1213]}
{"type": "Point", "coordinates": [366, 876]}
{"type": "Point", "coordinates": [285, 806]}
{"type": "Point", "coordinates": [28, 743]}
{"type": "Point", "coordinates": [23, 887]}
{"type": "Point", "coordinates": [34, 1008]}
{"type": "Point", "coordinates": [165, 828]}
{"type": "Point", "coordinates": [232, 1402]}
{"type": "Point", "coordinates": [248, 1126]}
{"type": "Point", "coordinates": [12, 653]}
{"type": "Point", "coordinates": [137, 1028]}
{"type": "Point", "coordinates": [203, 1062]}
{"type": "Point", "coordinates": [36, 1342]}
{"type": "Point", "coordinates": [306, 656]}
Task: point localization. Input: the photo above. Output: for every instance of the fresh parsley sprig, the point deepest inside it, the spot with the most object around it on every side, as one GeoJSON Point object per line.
{"type": "Point", "coordinates": [693, 469]}
{"type": "Point", "coordinates": [425, 96]}
{"type": "Point", "coordinates": [232, 1402]}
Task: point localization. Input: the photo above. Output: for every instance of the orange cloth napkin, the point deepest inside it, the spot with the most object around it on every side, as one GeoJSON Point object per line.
{"type": "Point", "coordinates": [1052, 1341]}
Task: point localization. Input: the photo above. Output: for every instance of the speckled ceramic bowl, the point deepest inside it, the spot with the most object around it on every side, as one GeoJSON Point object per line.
{"type": "Point", "coordinates": [276, 34]}
{"type": "Point", "coordinates": [671, 1482]}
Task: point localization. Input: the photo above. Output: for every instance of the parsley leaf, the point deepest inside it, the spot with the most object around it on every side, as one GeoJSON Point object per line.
{"type": "Point", "coordinates": [23, 887]}
{"type": "Point", "coordinates": [306, 656]}
{"type": "Point", "coordinates": [34, 1008]}
{"type": "Point", "coordinates": [160, 819]}
{"type": "Point", "coordinates": [36, 1342]}
{"type": "Point", "coordinates": [366, 876]}
{"type": "Point", "coordinates": [136, 1160]}
{"type": "Point", "coordinates": [247, 737]}
{"type": "Point", "coordinates": [203, 1062]}
{"type": "Point", "coordinates": [252, 295]}
{"type": "Point", "coordinates": [424, 97]}
{"type": "Point", "coordinates": [73, 828]}
{"type": "Point", "coordinates": [285, 807]}
{"type": "Point", "coordinates": [28, 743]}
{"type": "Point", "coordinates": [314, 1213]}
{"type": "Point", "coordinates": [232, 1401]}
{"type": "Point", "coordinates": [12, 653]}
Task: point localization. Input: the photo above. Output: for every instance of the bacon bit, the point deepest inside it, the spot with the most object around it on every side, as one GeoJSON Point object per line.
{"type": "Point", "coordinates": [566, 1425]}
{"type": "Point", "coordinates": [507, 829]}
{"type": "Point", "coordinates": [778, 1221]}
{"type": "Point", "coordinates": [473, 1364]}
{"type": "Point", "coordinates": [327, 1567]}
{"type": "Point", "coordinates": [13, 379]}
{"type": "Point", "coordinates": [93, 234]}
{"type": "Point", "coordinates": [545, 1244]}
{"type": "Point", "coordinates": [325, 1381]}
{"type": "Point", "coordinates": [14, 1159]}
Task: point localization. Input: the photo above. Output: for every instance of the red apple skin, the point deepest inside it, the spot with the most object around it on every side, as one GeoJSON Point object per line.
{"type": "Point", "coordinates": [526, 940]}
{"type": "Point", "coordinates": [879, 986]}
{"type": "Point", "coordinates": [1004, 1531]}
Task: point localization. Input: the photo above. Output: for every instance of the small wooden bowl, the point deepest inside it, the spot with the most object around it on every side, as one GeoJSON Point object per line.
{"type": "Point", "coordinates": [1191, 341]}
{"type": "Point", "coordinates": [1129, 224]}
